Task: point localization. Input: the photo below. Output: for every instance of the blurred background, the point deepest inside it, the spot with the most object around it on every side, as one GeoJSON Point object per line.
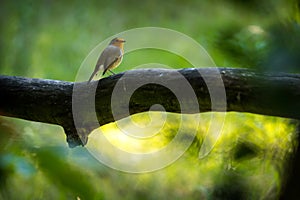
{"type": "Point", "coordinates": [50, 39]}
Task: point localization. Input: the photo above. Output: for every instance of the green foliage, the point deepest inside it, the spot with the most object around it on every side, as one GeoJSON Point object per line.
{"type": "Point", "coordinates": [48, 39]}
{"type": "Point", "coordinates": [246, 46]}
{"type": "Point", "coordinates": [65, 175]}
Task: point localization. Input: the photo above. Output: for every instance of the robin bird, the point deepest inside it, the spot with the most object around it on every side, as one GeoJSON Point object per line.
{"type": "Point", "coordinates": [110, 57]}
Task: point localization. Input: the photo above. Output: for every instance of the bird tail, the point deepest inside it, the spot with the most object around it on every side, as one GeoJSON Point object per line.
{"type": "Point", "coordinates": [97, 68]}
{"type": "Point", "coordinates": [92, 76]}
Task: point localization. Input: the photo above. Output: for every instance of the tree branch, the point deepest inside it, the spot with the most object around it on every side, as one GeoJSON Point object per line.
{"type": "Point", "coordinates": [80, 107]}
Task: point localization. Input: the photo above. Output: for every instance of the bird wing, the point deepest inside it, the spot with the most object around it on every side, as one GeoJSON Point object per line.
{"type": "Point", "coordinates": [111, 55]}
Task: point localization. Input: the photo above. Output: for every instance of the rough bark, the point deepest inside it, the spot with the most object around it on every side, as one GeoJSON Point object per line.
{"type": "Point", "coordinates": [80, 107]}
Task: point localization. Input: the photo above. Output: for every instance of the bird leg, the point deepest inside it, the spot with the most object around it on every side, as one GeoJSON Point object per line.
{"type": "Point", "coordinates": [111, 72]}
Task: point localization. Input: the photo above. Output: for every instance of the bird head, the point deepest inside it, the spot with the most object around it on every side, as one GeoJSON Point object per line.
{"type": "Point", "coordinates": [117, 42]}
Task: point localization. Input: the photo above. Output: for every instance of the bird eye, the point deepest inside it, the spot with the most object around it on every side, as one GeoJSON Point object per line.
{"type": "Point", "coordinates": [119, 40]}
